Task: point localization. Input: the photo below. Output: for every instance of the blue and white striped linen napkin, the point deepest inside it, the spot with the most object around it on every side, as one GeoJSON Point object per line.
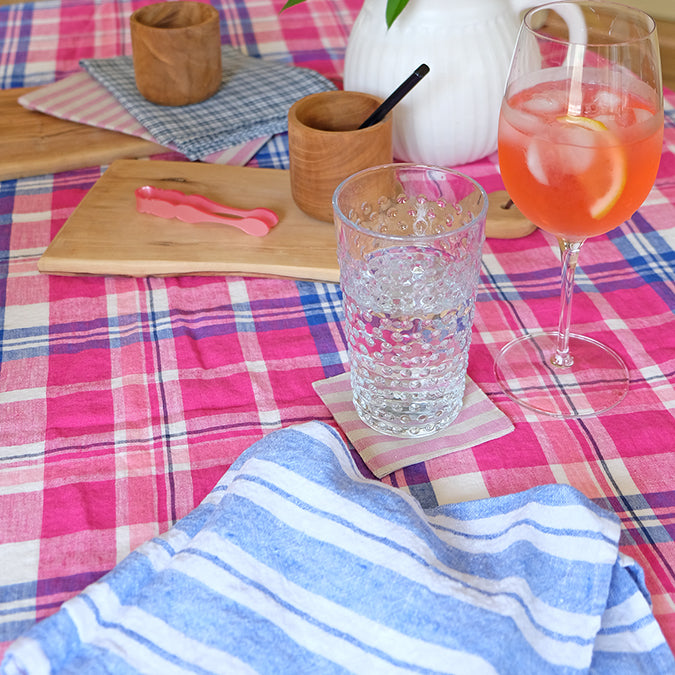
{"type": "Point", "coordinates": [252, 102]}
{"type": "Point", "coordinates": [295, 563]}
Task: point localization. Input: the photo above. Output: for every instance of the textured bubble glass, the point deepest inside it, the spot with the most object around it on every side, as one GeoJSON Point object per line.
{"type": "Point", "coordinates": [410, 240]}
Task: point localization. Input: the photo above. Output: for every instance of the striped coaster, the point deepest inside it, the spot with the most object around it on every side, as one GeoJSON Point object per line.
{"type": "Point", "coordinates": [478, 421]}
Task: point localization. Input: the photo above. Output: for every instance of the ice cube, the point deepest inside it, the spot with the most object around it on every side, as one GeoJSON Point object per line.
{"type": "Point", "coordinates": [642, 114]}
{"type": "Point", "coordinates": [605, 102]}
{"type": "Point", "coordinates": [575, 160]}
{"type": "Point", "coordinates": [535, 162]}
{"type": "Point", "coordinates": [576, 151]}
{"type": "Point", "coordinates": [524, 123]}
{"type": "Point", "coordinates": [549, 104]}
{"type": "Point", "coordinates": [578, 135]}
{"type": "Point", "coordinates": [608, 120]}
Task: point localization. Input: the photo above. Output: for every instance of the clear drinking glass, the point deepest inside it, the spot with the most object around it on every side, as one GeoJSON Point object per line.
{"type": "Point", "coordinates": [409, 246]}
{"type": "Point", "coordinates": [580, 139]}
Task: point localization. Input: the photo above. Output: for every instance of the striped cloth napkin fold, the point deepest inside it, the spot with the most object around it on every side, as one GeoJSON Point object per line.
{"type": "Point", "coordinates": [479, 421]}
{"type": "Point", "coordinates": [252, 102]}
{"type": "Point", "coordinates": [296, 563]}
{"type": "Point", "coordinates": [80, 98]}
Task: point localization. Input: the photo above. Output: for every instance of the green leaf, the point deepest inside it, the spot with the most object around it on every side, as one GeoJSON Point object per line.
{"type": "Point", "coordinates": [290, 3]}
{"type": "Point", "coordinates": [394, 8]}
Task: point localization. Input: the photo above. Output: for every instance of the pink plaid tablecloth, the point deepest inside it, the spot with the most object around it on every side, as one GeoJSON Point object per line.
{"type": "Point", "coordinates": [123, 401]}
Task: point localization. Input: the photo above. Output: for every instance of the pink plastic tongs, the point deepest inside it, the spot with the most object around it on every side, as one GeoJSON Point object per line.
{"type": "Point", "coordinates": [199, 209]}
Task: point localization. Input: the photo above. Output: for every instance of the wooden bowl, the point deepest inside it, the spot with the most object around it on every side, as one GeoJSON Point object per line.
{"type": "Point", "coordinates": [176, 52]}
{"type": "Point", "coordinates": [326, 146]}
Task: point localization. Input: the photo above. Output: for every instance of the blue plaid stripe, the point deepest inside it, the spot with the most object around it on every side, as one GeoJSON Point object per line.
{"type": "Point", "coordinates": [322, 307]}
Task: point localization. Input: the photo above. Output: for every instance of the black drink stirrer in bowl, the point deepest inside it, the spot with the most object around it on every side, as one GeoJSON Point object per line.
{"type": "Point", "coordinates": [384, 108]}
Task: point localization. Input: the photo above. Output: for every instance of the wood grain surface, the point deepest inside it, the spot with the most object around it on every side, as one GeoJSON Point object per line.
{"type": "Point", "coordinates": [666, 30]}
{"type": "Point", "coordinates": [105, 235]}
{"type": "Point", "coordinates": [176, 51]}
{"type": "Point", "coordinates": [32, 143]}
{"type": "Point", "coordinates": [326, 146]}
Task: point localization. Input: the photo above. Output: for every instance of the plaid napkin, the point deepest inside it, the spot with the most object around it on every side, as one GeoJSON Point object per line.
{"type": "Point", "coordinates": [252, 102]}
{"type": "Point", "coordinates": [296, 563]}
{"type": "Point", "coordinates": [80, 98]}
{"type": "Point", "coordinates": [478, 421]}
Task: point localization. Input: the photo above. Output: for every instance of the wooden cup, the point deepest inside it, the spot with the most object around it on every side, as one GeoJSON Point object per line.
{"type": "Point", "coordinates": [176, 51]}
{"type": "Point", "coordinates": [326, 146]}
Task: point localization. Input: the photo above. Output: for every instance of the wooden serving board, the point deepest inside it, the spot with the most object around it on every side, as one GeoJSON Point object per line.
{"type": "Point", "coordinates": [32, 143]}
{"type": "Point", "coordinates": [105, 235]}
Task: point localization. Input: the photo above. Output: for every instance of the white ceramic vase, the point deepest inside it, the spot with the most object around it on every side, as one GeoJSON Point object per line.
{"type": "Point", "coordinates": [451, 117]}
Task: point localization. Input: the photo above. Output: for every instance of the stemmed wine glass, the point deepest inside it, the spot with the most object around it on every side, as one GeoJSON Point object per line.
{"type": "Point", "coordinates": [580, 139]}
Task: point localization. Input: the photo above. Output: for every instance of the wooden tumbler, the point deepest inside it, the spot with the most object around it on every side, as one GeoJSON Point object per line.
{"type": "Point", "coordinates": [176, 52]}
{"type": "Point", "coordinates": [326, 146]}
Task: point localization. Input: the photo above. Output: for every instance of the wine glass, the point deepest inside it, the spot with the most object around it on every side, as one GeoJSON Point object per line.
{"type": "Point", "coordinates": [580, 139]}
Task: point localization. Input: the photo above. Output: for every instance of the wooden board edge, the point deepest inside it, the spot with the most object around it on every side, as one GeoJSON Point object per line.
{"type": "Point", "coordinates": [92, 146]}
{"type": "Point", "coordinates": [51, 265]}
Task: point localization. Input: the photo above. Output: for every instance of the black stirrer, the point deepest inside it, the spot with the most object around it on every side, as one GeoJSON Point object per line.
{"type": "Point", "coordinates": [381, 111]}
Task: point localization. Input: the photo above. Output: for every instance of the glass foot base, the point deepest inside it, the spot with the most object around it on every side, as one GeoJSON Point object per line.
{"type": "Point", "coordinates": [595, 382]}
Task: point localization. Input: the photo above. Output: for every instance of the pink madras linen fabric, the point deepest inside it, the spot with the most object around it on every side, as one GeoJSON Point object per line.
{"type": "Point", "coordinates": [123, 401]}
{"type": "Point", "coordinates": [80, 98]}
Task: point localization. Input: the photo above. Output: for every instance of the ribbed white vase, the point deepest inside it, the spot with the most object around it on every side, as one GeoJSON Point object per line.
{"type": "Point", "coordinates": [451, 117]}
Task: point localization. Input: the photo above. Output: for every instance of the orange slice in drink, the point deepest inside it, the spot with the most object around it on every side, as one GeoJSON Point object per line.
{"type": "Point", "coordinates": [589, 151]}
{"type": "Point", "coordinates": [603, 172]}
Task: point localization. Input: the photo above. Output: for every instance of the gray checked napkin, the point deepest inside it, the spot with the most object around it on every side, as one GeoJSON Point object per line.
{"type": "Point", "coordinates": [253, 101]}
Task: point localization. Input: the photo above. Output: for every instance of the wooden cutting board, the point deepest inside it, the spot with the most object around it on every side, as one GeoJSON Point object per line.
{"type": "Point", "coordinates": [105, 235]}
{"type": "Point", "coordinates": [32, 143]}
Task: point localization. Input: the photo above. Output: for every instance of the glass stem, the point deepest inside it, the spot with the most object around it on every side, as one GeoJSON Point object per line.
{"type": "Point", "coordinates": [569, 251]}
